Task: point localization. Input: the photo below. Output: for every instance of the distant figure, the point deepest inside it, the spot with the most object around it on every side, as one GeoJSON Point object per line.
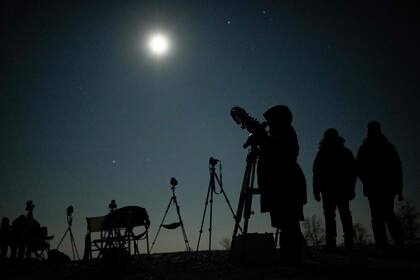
{"type": "Point", "coordinates": [35, 237]}
{"type": "Point", "coordinates": [379, 168]}
{"type": "Point", "coordinates": [281, 181]}
{"type": "Point", "coordinates": [17, 238]}
{"type": "Point", "coordinates": [334, 177]}
{"type": "Point", "coordinates": [4, 237]}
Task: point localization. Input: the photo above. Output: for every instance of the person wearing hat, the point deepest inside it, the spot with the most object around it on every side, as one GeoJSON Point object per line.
{"type": "Point", "coordinates": [334, 179]}
{"type": "Point", "coordinates": [281, 181]}
{"type": "Point", "coordinates": [379, 169]}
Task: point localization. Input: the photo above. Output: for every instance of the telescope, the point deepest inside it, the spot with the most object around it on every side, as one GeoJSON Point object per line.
{"type": "Point", "coordinates": [255, 128]}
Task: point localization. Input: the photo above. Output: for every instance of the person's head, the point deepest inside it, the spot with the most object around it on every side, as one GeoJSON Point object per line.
{"type": "Point", "coordinates": [331, 136]}
{"type": "Point", "coordinates": [374, 128]}
{"type": "Point", "coordinates": [278, 116]}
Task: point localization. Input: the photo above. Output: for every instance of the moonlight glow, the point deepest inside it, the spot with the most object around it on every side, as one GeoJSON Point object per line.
{"type": "Point", "coordinates": [158, 44]}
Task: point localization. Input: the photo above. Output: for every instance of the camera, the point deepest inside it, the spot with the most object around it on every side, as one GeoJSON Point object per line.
{"type": "Point", "coordinates": [255, 128]}
{"type": "Point", "coordinates": [174, 182]}
{"type": "Point", "coordinates": [113, 205]}
{"type": "Point", "coordinates": [70, 210]}
{"type": "Point", "coordinates": [213, 161]}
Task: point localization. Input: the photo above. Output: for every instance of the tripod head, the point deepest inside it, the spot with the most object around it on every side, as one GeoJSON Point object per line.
{"type": "Point", "coordinates": [112, 205]}
{"type": "Point", "coordinates": [213, 161]}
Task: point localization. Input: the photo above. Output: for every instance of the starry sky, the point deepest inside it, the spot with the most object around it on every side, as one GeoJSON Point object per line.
{"type": "Point", "coordinates": [88, 115]}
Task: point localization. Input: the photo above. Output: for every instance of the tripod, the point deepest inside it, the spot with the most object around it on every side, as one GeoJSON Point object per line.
{"type": "Point", "coordinates": [212, 190]}
{"type": "Point", "coordinates": [72, 242]}
{"type": "Point", "coordinates": [247, 191]}
{"type": "Point", "coordinates": [173, 225]}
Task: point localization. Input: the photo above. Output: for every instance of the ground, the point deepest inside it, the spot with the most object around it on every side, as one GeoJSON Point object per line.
{"type": "Point", "coordinates": [361, 263]}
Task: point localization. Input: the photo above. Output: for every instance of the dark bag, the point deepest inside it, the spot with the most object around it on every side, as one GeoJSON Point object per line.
{"type": "Point", "coordinates": [253, 249]}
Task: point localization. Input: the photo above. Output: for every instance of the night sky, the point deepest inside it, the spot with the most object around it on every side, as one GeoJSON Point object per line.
{"type": "Point", "coordinates": [88, 115]}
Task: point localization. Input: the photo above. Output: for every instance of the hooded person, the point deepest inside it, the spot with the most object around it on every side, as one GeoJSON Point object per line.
{"type": "Point", "coordinates": [281, 180]}
{"type": "Point", "coordinates": [334, 177]}
{"type": "Point", "coordinates": [379, 168]}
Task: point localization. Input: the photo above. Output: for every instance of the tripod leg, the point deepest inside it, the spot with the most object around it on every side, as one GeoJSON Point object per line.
{"type": "Point", "coordinates": [72, 248]}
{"type": "Point", "coordinates": [74, 244]}
{"type": "Point", "coordinates": [242, 197]}
{"type": "Point", "coordinates": [147, 241]}
{"type": "Point", "coordinates": [62, 238]}
{"type": "Point", "coordinates": [227, 200]}
{"type": "Point", "coordinates": [248, 199]}
{"type": "Point", "coordinates": [211, 216]}
{"type": "Point", "coordinates": [164, 216]}
{"type": "Point", "coordinates": [276, 238]}
{"type": "Point", "coordinates": [187, 245]}
{"type": "Point", "coordinates": [202, 220]}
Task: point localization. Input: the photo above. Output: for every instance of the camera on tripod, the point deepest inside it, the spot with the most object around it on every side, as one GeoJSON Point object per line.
{"type": "Point", "coordinates": [173, 182]}
{"type": "Point", "coordinates": [70, 210]}
{"type": "Point", "coordinates": [256, 129]}
{"type": "Point", "coordinates": [213, 161]}
{"type": "Point", "coordinates": [112, 205]}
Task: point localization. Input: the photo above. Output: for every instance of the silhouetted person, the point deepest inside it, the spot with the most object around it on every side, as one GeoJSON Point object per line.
{"type": "Point", "coordinates": [281, 181]}
{"type": "Point", "coordinates": [334, 177]}
{"type": "Point", "coordinates": [34, 236]}
{"type": "Point", "coordinates": [17, 238]}
{"type": "Point", "coordinates": [4, 237]}
{"type": "Point", "coordinates": [379, 168]}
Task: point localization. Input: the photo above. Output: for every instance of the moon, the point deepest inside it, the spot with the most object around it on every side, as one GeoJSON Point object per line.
{"type": "Point", "coordinates": [158, 44]}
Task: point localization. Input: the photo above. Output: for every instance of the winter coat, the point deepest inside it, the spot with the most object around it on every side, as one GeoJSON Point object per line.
{"type": "Point", "coordinates": [379, 167]}
{"type": "Point", "coordinates": [281, 181]}
{"type": "Point", "coordinates": [334, 170]}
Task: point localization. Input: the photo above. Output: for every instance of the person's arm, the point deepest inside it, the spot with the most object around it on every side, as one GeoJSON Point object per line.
{"type": "Point", "coordinates": [398, 174]}
{"type": "Point", "coordinates": [316, 180]}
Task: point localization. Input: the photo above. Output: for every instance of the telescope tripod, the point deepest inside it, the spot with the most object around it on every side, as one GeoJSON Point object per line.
{"type": "Point", "coordinates": [247, 191]}
{"type": "Point", "coordinates": [173, 225]}
{"type": "Point", "coordinates": [72, 242]}
{"type": "Point", "coordinates": [210, 192]}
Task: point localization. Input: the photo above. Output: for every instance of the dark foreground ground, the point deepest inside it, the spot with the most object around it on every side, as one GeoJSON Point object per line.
{"type": "Point", "coordinates": [360, 263]}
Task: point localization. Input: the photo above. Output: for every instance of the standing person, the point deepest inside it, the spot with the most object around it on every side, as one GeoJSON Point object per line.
{"type": "Point", "coordinates": [334, 177]}
{"type": "Point", "coordinates": [379, 168]}
{"type": "Point", "coordinates": [281, 181]}
{"type": "Point", "coordinates": [4, 237]}
{"type": "Point", "coordinates": [18, 238]}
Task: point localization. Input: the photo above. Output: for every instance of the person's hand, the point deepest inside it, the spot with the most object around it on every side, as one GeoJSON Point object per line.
{"type": "Point", "coordinates": [317, 196]}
